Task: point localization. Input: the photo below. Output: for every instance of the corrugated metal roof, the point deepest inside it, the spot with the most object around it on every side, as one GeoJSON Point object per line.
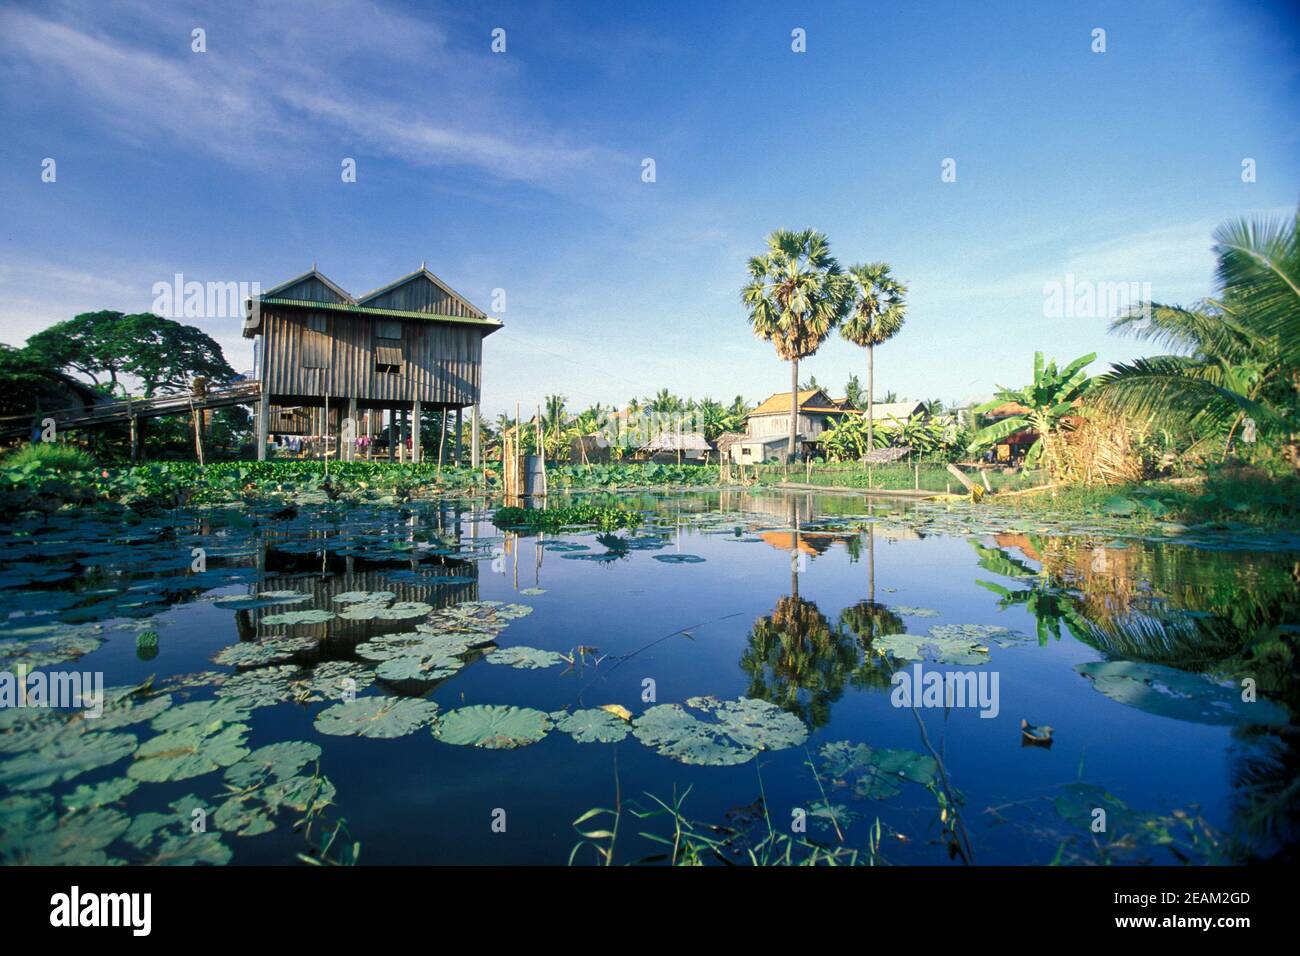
{"type": "Point", "coordinates": [491, 324]}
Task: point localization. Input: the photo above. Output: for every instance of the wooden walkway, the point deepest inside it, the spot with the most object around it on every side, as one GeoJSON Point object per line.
{"type": "Point", "coordinates": [122, 413]}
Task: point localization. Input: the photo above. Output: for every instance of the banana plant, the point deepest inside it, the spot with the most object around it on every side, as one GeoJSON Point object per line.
{"type": "Point", "coordinates": [1048, 401]}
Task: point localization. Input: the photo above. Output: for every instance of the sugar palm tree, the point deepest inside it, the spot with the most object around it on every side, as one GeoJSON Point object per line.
{"type": "Point", "coordinates": [875, 316]}
{"type": "Point", "coordinates": [796, 296]}
{"type": "Point", "coordinates": [1049, 401]}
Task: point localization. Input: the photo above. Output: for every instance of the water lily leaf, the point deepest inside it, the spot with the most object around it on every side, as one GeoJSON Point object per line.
{"type": "Point", "coordinates": [400, 611]}
{"type": "Point", "coordinates": [524, 658]}
{"type": "Point", "coordinates": [381, 717]}
{"type": "Point", "coordinates": [46, 652]}
{"type": "Point", "coordinates": [1169, 692]}
{"type": "Point", "coordinates": [333, 680]}
{"type": "Point", "coordinates": [279, 761]}
{"type": "Point", "coordinates": [739, 730]}
{"type": "Point", "coordinates": [907, 610]}
{"type": "Point", "coordinates": [190, 751]}
{"type": "Point", "coordinates": [262, 686]}
{"type": "Point", "coordinates": [65, 756]}
{"type": "Point", "coordinates": [100, 794]}
{"type": "Point", "coordinates": [591, 726]}
{"type": "Point", "coordinates": [492, 726]}
{"type": "Point", "coordinates": [875, 773]}
{"type": "Point", "coordinates": [979, 634]}
{"type": "Point", "coordinates": [32, 833]}
{"type": "Point", "coordinates": [419, 669]}
{"type": "Point", "coordinates": [532, 592]}
{"type": "Point", "coordinates": [240, 602]}
{"type": "Point", "coordinates": [201, 713]}
{"type": "Point", "coordinates": [364, 597]}
{"type": "Point", "coordinates": [939, 649]}
{"type": "Point", "coordinates": [679, 558]}
{"type": "Point", "coordinates": [271, 650]}
{"type": "Point", "coordinates": [313, 616]}
{"type": "Point", "coordinates": [124, 706]}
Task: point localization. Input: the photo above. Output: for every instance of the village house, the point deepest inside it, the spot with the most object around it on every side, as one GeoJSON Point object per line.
{"type": "Point", "coordinates": [767, 427]}
{"type": "Point", "coordinates": [379, 361]}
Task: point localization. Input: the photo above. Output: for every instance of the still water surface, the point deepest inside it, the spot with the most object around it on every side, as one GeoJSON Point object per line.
{"type": "Point", "coordinates": [789, 599]}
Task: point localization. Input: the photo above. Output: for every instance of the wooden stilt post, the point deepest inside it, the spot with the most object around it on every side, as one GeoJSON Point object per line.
{"type": "Point", "coordinates": [198, 433]}
{"type": "Point", "coordinates": [263, 425]}
{"type": "Point", "coordinates": [355, 430]}
{"type": "Point", "coordinates": [475, 451]}
{"type": "Point", "coordinates": [442, 433]}
{"type": "Point", "coordinates": [392, 430]}
{"type": "Point", "coordinates": [455, 445]}
{"type": "Point", "coordinates": [415, 431]}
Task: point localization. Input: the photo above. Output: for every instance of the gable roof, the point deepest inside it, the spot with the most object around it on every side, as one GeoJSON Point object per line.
{"type": "Point", "coordinates": [779, 403]}
{"type": "Point", "coordinates": [899, 410]}
{"type": "Point", "coordinates": [425, 274]}
{"type": "Point", "coordinates": [296, 293]}
{"type": "Point", "coordinates": [312, 273]}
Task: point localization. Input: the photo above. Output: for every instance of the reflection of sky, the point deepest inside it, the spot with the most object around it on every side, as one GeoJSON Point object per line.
{"type": "Point", "coordinates": [413, 799]}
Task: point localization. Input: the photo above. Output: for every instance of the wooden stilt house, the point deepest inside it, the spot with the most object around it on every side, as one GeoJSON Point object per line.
{"type": "Point", "coordinates": [408, 348]}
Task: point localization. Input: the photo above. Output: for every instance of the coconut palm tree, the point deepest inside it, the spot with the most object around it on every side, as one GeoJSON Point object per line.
{"type": "Point", "coordinates": [796, 296]}
{"type": "Point", "coordinates": [1049, 401]}
{"type": "Point", "coordinates": [1233, 357]}
{"type": "Point", "coordinates": [875, 316]}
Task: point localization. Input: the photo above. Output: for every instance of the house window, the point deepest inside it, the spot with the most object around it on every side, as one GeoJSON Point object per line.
{"type": "Point", "coordinates": [315, 343]}
{"type": "Point", "coordinates": [388, 346]}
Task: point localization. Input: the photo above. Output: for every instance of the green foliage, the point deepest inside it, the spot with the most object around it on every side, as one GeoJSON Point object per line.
{"type": "Point", "coordinates": [1050, 399]}
{"type": "Point", "coordinates": [47, 457]}
{"type": "Point", "coordinates": [604, 517]}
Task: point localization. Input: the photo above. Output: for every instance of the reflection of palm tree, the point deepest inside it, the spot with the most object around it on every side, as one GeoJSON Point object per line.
{"type": "Point", "coordinates": [795, 659]}
{"type": "Point", "coordinates": [866, 621]}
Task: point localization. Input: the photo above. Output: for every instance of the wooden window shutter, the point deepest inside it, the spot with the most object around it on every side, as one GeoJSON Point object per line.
{"type": "Point", "coordinates": [316, 343]}
{"type": "Point", "coordinates": [388, 345]}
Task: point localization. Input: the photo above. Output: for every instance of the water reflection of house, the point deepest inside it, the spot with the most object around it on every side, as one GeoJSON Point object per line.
{"type": "Point", "coordinates": [811, 543]}
{"type": "Point", "coordinates": [294, 572]}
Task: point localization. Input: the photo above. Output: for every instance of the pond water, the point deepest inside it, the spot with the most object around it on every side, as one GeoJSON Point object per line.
{"type": "Point", "coordinates": [428, 686]}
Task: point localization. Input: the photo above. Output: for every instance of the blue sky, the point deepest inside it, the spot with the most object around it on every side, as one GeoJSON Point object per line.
{"type": "Point", "coordinates": [522, 170]}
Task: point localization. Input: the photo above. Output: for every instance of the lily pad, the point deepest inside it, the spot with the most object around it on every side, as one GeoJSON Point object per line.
{"type": "Point", "coordinates": [679, 558]}
{"type": "Point", "coordinates": [938, 649]}
{"type": "Point", "coordinates": [271, 650]}
{"type": "Point", "coordinates": [381, 717]}
{"type": "Point", "coordinates": [189, 752]}
{"type": "Point", "coordinates": [591, 726]}
{"type": "Point", "coordinates": [312, 616]}
{"type": "Point", "coordinates": [1169, 692]}
{"type": "Point", "coordinates": [492, 726]}
{"type": "Point", "coordinates": [524, 658]}
{"type": "Point", "coordinates": [740, 729]}
{"type": "Point", "coordinates": [64, 757]}
{"type": "Point", "coordinates": [875, 773]}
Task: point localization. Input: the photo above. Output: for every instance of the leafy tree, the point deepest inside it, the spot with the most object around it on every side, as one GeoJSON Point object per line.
{"type": "Point", "coordinates": [162, 354]}
{"type": "Point", "coordinates": [876, 316]}
{"type": "Point", "coordinates": [796, 296]}
{"type": "Point", "coordinates": [853, 392]}
{"type": "Point", "coordinates": [1050, 401]}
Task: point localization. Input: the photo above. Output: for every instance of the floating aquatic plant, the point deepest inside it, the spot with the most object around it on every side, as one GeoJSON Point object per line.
{"type": "Point", "coordinates": [875, 773]}
{"type": "Point", "coordinates": [525, 658]}
{"type": "Point", "coordinates": [738, 731]}
{"type": "Point", "coordinates": [189, 751]}
{"type": "Point", "coordinates": [930, 647]}
{"type": "Point", "coordinates": [1169, 692]}
{"type": "Point", "coordinates": [382, 717]}
{"type": "Point", "coordinates": [492, 726]}
{"type": "Point", "coordinates": [594, 725]}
